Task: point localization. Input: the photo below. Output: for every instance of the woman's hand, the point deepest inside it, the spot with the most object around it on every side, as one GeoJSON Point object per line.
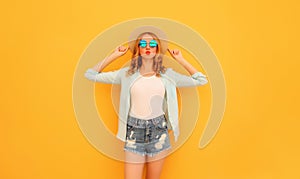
{"type": "Point", "coordinates": [120, 50]}
{"type": "Point", "coordinates": [179, 58]}
{"type": "Point", "coordinates": [176, 54]}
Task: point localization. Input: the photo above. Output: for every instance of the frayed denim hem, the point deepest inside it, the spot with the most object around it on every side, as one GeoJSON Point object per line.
{"type": "Point", "coordinates": [145, 153]}
{"type": "Point", "coordinates": [155, 153]}
{"type": "Point", "coordinates": [134, 151]}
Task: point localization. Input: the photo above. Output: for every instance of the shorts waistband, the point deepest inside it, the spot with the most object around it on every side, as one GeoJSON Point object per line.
{"type": "Point", "coordinates": [143, 123]}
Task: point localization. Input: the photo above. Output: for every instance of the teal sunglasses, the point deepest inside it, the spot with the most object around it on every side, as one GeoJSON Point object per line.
{"type": "Point", "coordinates": [152, 43]}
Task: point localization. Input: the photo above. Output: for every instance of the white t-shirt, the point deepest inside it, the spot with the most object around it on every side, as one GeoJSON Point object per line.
{"type": "Point", "coordinates": [147, 94]}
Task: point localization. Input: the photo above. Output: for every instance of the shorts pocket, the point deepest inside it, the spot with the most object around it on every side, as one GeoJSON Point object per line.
{"type": "Point", "coordinates": [129, 127]}
{"type": "Point", "coordinates": [162, 125]}
{"type": "Point", "coordinates": [129, 130]}
{"type": "Point", "coordinates": [134, 133]}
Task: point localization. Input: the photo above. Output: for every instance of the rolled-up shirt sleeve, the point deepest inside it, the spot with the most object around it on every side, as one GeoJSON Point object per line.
{"type": "Point", "coordinates": [200, 78]}
{"type": "Point", "coordinates": [181, 80]}
{"type": "Point", "coordinates": [111, 77]}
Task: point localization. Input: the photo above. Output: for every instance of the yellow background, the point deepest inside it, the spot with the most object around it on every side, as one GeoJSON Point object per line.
{"type": "Point", "coordinates": [256, 43]}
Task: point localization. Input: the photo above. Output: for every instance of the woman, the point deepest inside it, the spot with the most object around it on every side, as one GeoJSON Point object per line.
{"type": "Point", "coordinates": [148, 102]}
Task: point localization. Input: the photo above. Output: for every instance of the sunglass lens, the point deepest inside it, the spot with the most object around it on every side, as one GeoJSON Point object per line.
{"type": "Point", "coordinates": [153, 43]}
{"type": "Point", "coordinates": [143, 43]}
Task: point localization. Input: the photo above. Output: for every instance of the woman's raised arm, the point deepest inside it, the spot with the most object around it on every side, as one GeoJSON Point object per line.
{"type": "Point", "coordinates": [196, 78]}
{"type": "Point", "coordinates": [113, 77]}
{"type": "Point", "coordinates": [121, 50]}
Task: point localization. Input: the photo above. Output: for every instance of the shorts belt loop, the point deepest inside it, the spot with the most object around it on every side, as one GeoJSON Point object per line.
{"type": "Point", "coordinates": [136, 122]}
{"type": "Point", "coordinates": [155, 121]}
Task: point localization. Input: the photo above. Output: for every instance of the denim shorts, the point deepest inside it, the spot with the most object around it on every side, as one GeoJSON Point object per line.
{"type": "Point", "coordinates": [147, 136]}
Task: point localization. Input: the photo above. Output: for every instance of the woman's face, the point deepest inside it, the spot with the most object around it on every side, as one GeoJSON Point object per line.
{"type": "Point", "coordinates": [147, 52]}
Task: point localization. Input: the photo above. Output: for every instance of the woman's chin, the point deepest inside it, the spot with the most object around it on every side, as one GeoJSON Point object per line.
{"type": "Point", "coordinates": [150, 56]}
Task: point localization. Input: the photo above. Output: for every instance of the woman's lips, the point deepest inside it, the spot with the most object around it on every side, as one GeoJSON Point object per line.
{"type": "Point", "coordinates": [148, 52]}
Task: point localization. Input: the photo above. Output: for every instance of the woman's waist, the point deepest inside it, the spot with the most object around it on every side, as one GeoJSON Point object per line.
{"type": "Point", "coordinates": [142, 123]}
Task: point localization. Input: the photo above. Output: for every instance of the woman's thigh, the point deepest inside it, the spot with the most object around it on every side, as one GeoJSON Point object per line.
{"type": "Point", "coordinates": [160, 156]}
{"type": "Point", "coordinates": [134, 165]}
{"type": "Point", "coordinates": [155, 165]}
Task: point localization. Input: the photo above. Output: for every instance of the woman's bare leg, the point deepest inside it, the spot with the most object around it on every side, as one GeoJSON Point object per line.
{"type": "Point", "coordinates": [134, 165]}
{"type": "Point", "coordinates": [155, 165]}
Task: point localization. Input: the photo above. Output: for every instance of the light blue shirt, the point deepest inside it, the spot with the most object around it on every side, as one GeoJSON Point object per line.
{"type": "Point", "coordinates": [170, 79]}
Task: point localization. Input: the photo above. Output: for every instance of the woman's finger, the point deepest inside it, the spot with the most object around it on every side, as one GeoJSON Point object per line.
{"type": "Point", "coordinates": [126, 49]}
{"type": "Point", "coordinates": [170, 51]}
{"type": "Point", "coordinates": [123, 49]}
